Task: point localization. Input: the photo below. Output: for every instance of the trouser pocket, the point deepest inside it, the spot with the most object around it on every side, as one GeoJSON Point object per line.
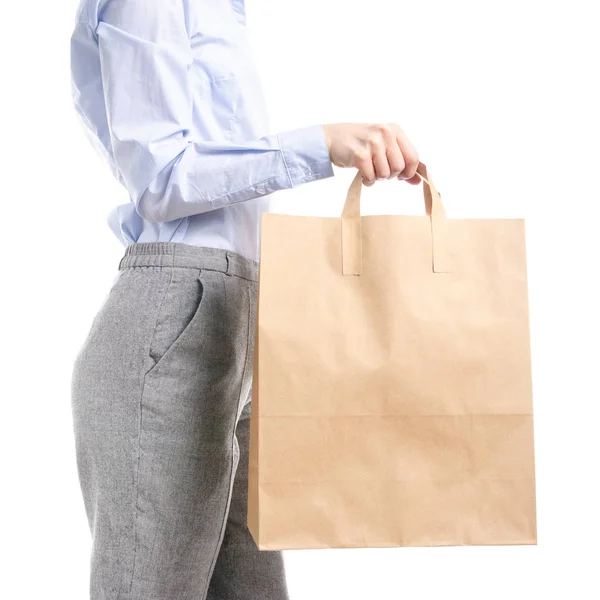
{"type": "Point", "coordinates": [179, 306]}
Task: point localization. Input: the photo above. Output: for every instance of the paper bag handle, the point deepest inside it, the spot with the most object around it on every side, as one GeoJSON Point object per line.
{"type": "Point", "coordinates": [351, 225]}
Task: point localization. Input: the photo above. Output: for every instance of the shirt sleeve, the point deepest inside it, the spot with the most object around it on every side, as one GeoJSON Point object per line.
{"type": "Point", "coordinates": [170, 173]}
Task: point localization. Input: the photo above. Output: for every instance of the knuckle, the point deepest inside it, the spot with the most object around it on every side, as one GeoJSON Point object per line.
{"type": "Point", "coordinates": [411, 159]}
{"type": "Point", "coordinates": [384, 129]}
{"type": "Point", "coordinates": [399, 165]}
{"type": "Point", "coordinates": [362, 155]}
{"type": "Point", "coordinates": [367, 174]}
{"type": "Point", "coordinates": [374, 139]}
{"type": "Point", "coordinates": [383, 172]}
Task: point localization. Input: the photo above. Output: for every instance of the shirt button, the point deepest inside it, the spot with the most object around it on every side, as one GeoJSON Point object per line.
{"type": "Point", "coordinates": [261, 189]}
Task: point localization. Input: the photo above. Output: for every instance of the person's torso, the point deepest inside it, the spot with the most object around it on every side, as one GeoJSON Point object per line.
{"type": "Point", "coordinates": [228, 104]}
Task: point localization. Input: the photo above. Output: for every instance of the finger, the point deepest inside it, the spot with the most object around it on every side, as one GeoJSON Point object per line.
{"type": "Point", "coordinates": [415, 180]}
{"type": "Point", "coordinates": [381, 165]}
{"type": "Point", "coordinates": [367, 171]}
{"type": "Point", "coordinates": [410, 155]}
{"type": "Point", "coordinates": [395, 160]}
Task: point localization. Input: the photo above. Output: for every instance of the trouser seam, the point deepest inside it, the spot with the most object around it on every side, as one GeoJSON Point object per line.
{"type": "Point", "coordinates": [233, 439]}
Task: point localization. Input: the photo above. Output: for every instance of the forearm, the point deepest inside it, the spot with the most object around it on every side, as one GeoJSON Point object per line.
{"type": "Point", "coordinates": [207, 175]}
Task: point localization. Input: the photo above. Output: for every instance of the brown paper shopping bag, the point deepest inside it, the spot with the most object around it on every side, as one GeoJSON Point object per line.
{"type": "Point", "coordinates": [392, 401]}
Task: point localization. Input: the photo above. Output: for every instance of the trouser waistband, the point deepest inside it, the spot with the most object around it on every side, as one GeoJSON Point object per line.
{"type": "Point", "coordinates": [178, 254]}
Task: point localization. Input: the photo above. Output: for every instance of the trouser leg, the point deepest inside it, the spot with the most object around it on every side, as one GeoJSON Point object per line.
{"type": "Point", "coordinates": [242, 571]}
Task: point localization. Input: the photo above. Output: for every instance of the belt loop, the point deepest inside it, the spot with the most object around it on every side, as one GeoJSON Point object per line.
{"type": "Point", "coordinates": [228, 270]}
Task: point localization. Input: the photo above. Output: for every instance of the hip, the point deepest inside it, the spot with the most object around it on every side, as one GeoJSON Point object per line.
{"type": "Point", "coordinates": [178, 314]}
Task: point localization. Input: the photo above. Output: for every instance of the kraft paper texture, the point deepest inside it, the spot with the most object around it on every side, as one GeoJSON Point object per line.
{"type": "Point", "coordinates": [392, 396]}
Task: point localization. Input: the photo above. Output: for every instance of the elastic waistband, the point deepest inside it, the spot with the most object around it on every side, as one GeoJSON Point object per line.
{"type": "Point", "coordinates": [178, 254]}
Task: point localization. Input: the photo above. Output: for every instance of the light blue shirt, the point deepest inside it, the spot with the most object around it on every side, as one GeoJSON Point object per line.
{"type": "Point", "coordinates": [168, 93]}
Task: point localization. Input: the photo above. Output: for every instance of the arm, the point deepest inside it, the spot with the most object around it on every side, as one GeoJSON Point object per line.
{"type": "Point", "coordinates": [169, 173]}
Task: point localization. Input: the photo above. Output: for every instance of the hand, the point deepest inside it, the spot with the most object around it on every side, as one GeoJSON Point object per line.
{"type": "Point", "coordinates": [378, 151]}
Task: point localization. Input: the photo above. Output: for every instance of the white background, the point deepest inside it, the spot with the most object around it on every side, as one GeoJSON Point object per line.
{"type": "Point", "coordinates": [500, 99]}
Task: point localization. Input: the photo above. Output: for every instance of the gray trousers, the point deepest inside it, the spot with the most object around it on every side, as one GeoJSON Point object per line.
{"type": "Point", "coordinates": [161, 406]}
